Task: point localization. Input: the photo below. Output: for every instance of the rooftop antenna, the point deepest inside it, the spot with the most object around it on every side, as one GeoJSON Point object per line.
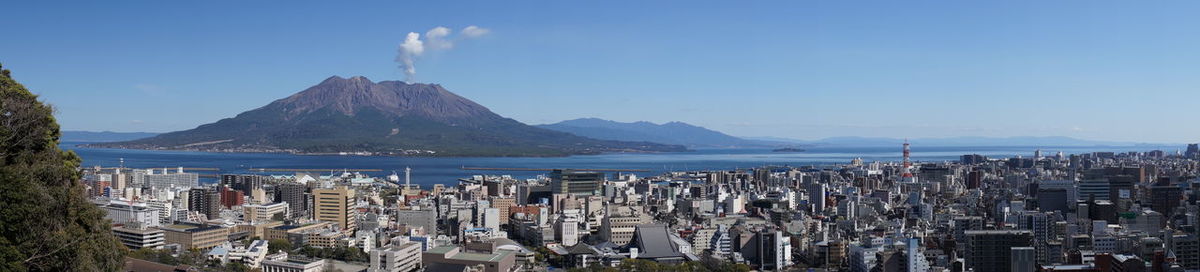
{"type": "Point", "coordinates": [906, 171]}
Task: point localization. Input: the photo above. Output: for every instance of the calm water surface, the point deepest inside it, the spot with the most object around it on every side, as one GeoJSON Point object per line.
{"type": "Point", "coordinates": [428, 171]}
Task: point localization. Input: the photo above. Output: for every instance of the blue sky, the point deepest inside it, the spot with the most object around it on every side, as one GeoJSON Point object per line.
{"type": "Point", "coordinates": [1121, 70]}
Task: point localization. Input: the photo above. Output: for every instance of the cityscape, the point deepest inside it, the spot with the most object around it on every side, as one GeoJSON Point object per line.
{"type": "Point", "coordinates": [1129, 211]}
{"type": "Point", "coordinates": [647, 136]}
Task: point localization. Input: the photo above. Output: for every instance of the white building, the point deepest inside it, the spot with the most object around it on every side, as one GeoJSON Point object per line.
{"type": "Point", "coordinates": [401, 257]}
{"type": "Point", "coordinates": [123, 213]}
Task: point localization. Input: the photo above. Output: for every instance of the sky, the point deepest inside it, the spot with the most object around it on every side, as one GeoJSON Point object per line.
{"type": "Point", "coordinates": [1102, 70]}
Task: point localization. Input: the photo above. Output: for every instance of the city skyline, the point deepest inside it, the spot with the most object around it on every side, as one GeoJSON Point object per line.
{"type": "Point", "coordinates": [799, 70]}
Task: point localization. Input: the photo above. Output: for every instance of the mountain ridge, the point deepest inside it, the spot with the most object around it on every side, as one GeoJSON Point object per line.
{"type": "Point", "coordinates": [958, 141]}
{"type": "Point", "coordinates": [381, 118]}
{"type": "Point", "coordinates": [673, 132]}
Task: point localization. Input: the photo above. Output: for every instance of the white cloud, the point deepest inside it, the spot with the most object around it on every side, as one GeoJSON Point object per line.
{"type": "Point", "coordinates": [436, 38]}
{"type": "Point", "coordinates": [474, 31]}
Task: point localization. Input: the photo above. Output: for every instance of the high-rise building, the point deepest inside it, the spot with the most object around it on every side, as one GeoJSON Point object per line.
{"type": "Point", "coordinates": [206, 201]}
{"type": "Point", "coordinates": [580, 183]}
{"type": "Point", "coordinates": [1023, 259]}
{"type": "Point", "coordinates": [991, 250]}
{"type": "Point", "coordinates": [1164, 199]}
{"type": "Point", "coordinates": [231, 197]}
{"type": "Point", "coordinates": [244, 183]}
{"type": "Point", "coordinates": [335, 205]}
{"type": "Point", "coordinates": [296, 196]}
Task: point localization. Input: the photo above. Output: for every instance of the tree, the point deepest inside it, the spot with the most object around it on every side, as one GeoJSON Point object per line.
{"type": "Point", "coordinates": [276, 245]}
{"type": "Point", "coordinates": [46, 221]}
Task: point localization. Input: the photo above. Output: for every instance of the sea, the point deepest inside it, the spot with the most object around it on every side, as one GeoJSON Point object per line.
{"type": "Point", "coordinates": [427, 171]}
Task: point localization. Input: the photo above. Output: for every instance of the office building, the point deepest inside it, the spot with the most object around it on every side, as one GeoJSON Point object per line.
{"type": "Point", "coordinates": [188, 235]}
{"type": "Point", "coordinates": [335, 205]}
{"type": "Point", "coordinates": [255, 213]}
{"type": "Point", "coordinates": [296, 196]}
{"type": "Point", "coordinates": [1023, 259]}
{"type": "Point", "coordinates": [207, 201]}
{"type": "Point", "coordinates": [991, 250]}
{"type": "Point", "coordinates": [579, 183]}
{"type": "Point", "coordinates": [135, 236]}
{"type": "Point", "coordinates": [162, 180]}
{"type": "Point", "coordinates": [401, 257]}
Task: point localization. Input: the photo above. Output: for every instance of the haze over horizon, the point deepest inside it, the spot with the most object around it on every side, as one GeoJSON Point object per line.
{"type": "Point", "coordinates": [800, 70]}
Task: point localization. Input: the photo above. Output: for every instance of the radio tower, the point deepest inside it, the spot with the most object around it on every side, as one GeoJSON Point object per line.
{"type": "Point", "coordinates": [905, 171]}
{"type": "Point", "coordinates": [407, 179]}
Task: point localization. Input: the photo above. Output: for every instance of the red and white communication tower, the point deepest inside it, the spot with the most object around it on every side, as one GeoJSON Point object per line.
{"type": "Point", "coordinates": [906, 171]}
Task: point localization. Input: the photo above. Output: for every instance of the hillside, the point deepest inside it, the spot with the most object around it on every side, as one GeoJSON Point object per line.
{"type": "Point", "coordinates": [677, 133]}
{"type": "Point", "coordinates": [386, 118]}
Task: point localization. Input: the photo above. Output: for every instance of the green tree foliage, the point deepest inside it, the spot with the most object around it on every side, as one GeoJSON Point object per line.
{"type": "Point", "coordinates": [276, 245]}
{"type": "Point", "coordinates": [46, 221]}
{"type": "Point", "coordinates": [341, 253]}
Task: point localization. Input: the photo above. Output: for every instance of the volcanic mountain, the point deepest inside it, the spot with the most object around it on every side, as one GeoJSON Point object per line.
{"type": "Point", "coordinates": [388, 117]}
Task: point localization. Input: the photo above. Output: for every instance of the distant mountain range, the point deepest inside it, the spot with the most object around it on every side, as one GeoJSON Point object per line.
{"type": "Point", "coordinates": [389, 117]}
{"type": "Point", "coordinates": [677, 133]}
{"type": "Point", "coordinates": [953, 141]}
{"type": "Point", "coordinates": [102, 136]}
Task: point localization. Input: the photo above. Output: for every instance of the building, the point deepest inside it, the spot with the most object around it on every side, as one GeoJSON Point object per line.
{"type": "Point", "coordinates": [280, 262]}
{"type": "Point", "coordinates": [252, 255]}
{"type": "Point", "coordinates": [294, 233]}
{"type": "Point", "coordinates": [335, 205]}
{"type": "Point", "coordinates": [991, 250]}
{"type": "Point", "coordinates": [454, 256]}
{"type": "Point", "coordinates": [244, 183]}
{"type": "Point", "coordinates": [206, 201]}
{"type": "Point", "coordinates": [296, 196]}
{"type": "Point", "coordinates": [765, 250]}
{"type": "Point", "coordinates": [579, 183]}
{"type": "Point", "coordinates": [1164, 199]}
{"type": "Point", "coordinates": [197, 236]}
{"type": "Point", "coordinates": [618, 227]}
{"type": "Point", "coordinates": [1023, 259]}
{"type": "Point", "coordinates": [254, 213]}
{"type": "Point", "coordinates": [135, 237]}
{"type": "Point", "coordinates": [416, 217]}
{"type": "Point", "coordinates": [163, 180]}
{"type": "Point", "coordinates": [504, 204]}
{"type": "Point", "coordinates": [230, 197]}
{"type": "Point", "coordinates": [401, 257]}
{"type": "Point", "coordinates": [123, 213]}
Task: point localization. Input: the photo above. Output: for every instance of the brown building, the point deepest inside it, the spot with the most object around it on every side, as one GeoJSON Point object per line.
{"type": "Point", "coordinates": [197, 236]}
{"type": "Point", "coordinates": [335, 205]}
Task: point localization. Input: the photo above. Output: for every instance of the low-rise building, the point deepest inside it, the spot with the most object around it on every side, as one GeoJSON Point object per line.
{"type": "Point", "coordinates": [136, 237]}
{"type": "Point", "coordinates": [281, 262]}
{"type": "Point", "coordinates": [189, 235]}
{"type": "Point", "coordinates": [496, 261]}
{"type": "Point", "coordinates": [402, 257]}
